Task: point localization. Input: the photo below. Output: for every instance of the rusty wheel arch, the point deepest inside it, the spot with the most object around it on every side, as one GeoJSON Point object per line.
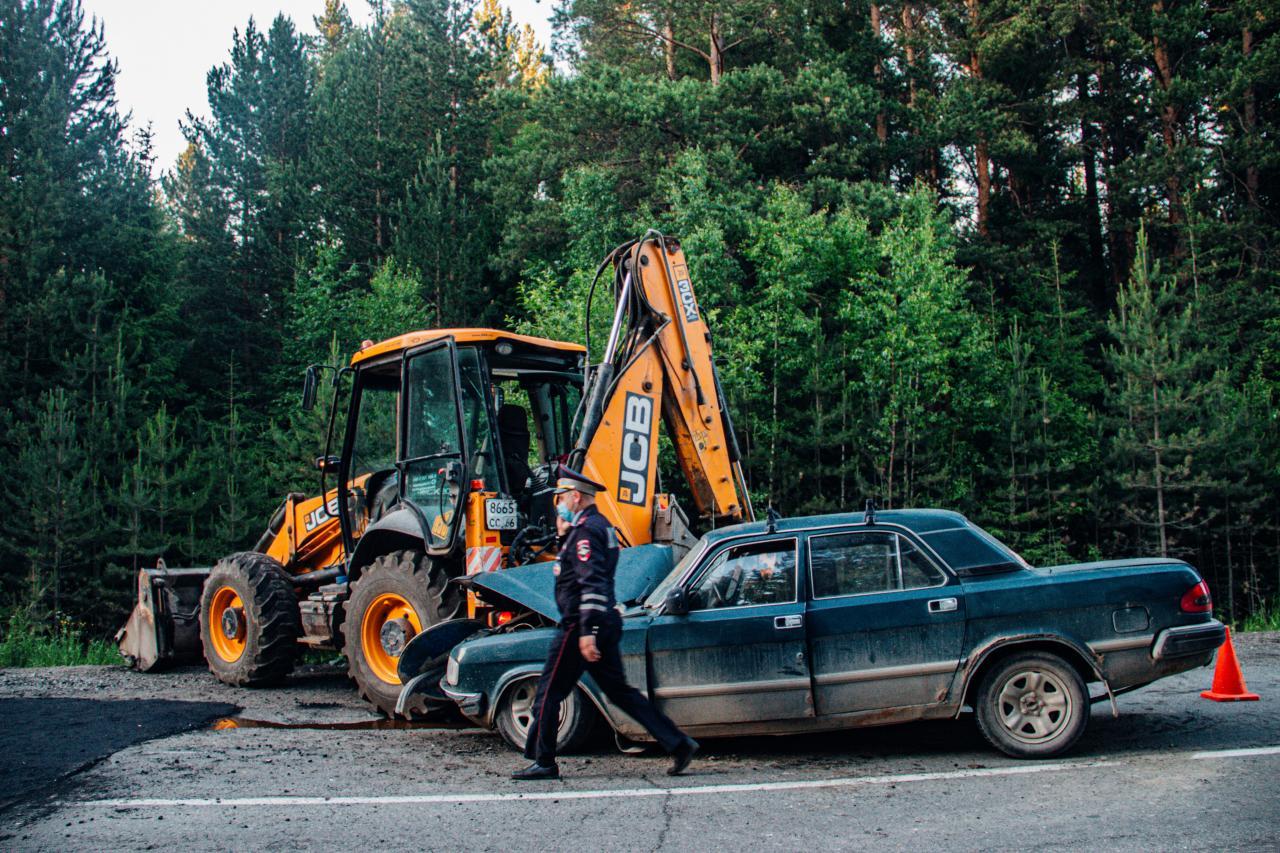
{"type": "Point", "coordinates": [1085, 662]}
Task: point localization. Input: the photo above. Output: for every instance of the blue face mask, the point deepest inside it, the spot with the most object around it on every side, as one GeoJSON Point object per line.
{"type": "Point", "coordinates": [564, 512]}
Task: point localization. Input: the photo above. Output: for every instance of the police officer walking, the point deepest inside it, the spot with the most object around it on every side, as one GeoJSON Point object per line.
{"type": "Point", "coordinates": [589, 630]}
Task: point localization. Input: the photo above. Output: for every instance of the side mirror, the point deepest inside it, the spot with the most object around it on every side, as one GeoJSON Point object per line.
{"type": "Point", "coordinates": [676, 603]}
{"type": "Point", "coordinates": [309, 382]}
{"type": "Point", "coordinates": [328, 464]}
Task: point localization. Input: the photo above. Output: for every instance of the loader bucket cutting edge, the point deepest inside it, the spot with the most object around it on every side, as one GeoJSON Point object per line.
{"type": "Point", "coordinates": [164, 627]}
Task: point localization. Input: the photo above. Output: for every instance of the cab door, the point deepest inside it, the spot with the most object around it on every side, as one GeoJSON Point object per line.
{"type": "Point", "coordinates": [739, 654]}
{"type": "Point", "coordinates": [885, 624]}
{"type": "Point", "coordinates": [433, 468]}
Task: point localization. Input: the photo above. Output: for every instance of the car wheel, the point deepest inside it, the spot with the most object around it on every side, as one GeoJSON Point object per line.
{"type": "Point", "coordinates": [515, 715]}
{"type": "Point", "coordinates": [1032, 705]}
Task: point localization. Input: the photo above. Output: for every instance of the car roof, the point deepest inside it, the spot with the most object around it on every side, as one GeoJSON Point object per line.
{"type": "Point", "coordinates": [915, 520]}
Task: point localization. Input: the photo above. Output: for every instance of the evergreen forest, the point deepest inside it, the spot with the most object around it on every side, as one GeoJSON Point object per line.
{"type": "Point", "coordinates": [1015, 258]}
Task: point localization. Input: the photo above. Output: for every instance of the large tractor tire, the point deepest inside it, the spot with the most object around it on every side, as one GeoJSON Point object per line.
{"type": "Point", "coordinates": [249, 620]}
{"type": "Point", "coordinates": [396, 596]}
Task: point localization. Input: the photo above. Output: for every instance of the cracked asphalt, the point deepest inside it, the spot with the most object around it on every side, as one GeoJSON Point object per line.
{"type": "Point", "coordinates": [103, 758]}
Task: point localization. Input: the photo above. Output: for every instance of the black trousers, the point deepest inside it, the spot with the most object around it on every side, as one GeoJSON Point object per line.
{"type": "Point", "coordinates": [565, 666]}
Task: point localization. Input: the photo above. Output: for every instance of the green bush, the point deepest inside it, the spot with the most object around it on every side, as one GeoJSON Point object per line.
{"type": "Point", "coordinates": [1265, 618]}
{"type": "Point", "coordinates": [27, 643]}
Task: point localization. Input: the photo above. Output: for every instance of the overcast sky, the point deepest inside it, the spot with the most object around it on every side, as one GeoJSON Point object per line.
{"type": "Point", "coordinates": [166, 47]}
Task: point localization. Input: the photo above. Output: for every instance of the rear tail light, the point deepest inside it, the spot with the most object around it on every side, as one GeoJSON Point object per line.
{"type": "Point", "coordinates": [1197, 599]}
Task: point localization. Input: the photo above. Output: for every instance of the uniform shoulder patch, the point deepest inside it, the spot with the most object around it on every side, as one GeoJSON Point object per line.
{"type": "Point", "coordinates": [584, 550]}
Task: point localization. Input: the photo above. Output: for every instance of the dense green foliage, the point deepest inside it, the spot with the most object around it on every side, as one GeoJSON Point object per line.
{"type": "Point", "coordinates": [1012, 257]}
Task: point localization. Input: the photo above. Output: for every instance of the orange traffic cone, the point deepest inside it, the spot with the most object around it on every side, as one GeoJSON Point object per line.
{"type": "Point", "coordinates": [1228, 680]}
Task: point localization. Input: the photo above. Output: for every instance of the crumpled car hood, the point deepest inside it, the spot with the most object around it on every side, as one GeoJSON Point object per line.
{"type": "Point", "coordinates": [532, 586]}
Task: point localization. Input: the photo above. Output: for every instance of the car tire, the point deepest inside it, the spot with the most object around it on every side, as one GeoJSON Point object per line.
{"type": "Point", "coordinates": [405, 587]}
{"type": "Point", "coordinates": [249, 620]}
{"type": "Point", "coordinates": [1032, 705]}
{"type": "Point", "coordinates": [515, 714]}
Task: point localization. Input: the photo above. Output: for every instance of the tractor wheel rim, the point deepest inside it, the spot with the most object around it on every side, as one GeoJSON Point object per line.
{"type": "Point", "coordinates": [387, 607]}
{"type": "Point", "coordinates": [226, 611]}
{"type": "Point", "coordinates": [1034, 706]}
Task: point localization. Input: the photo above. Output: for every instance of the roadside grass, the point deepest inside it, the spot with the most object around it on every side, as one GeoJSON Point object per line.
{"type": "Point", "coordinates": [1265, 618]}
{"type": "Point", "coordinates": [26, 644]}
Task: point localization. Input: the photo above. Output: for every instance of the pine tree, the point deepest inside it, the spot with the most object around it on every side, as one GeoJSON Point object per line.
{"type": "Point", "coordinates": [1161, 385]}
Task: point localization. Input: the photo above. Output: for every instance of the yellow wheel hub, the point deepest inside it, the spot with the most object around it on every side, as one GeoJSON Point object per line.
{"type": "Point", "coordinates": [227, 625]}
{"type": "Point", "coordinates": [389, 622]}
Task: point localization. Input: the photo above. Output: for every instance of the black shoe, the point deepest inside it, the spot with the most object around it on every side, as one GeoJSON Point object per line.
{"type": "Point", "coordinates": [682, 755]}
{"type": "Point", "coordinates": [537, 771]}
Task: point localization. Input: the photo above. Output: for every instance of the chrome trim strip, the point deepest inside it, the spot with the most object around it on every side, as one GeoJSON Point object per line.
{"type": "Point", "coordinates": [1122, 644]}
{"type": "Point", "coordinates": [727, 689]}
{"type": "Point", "coordinates": [886, 672]}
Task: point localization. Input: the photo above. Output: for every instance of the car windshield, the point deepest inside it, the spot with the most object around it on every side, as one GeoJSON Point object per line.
{"type": "Point", "coordinates": [660, 592]}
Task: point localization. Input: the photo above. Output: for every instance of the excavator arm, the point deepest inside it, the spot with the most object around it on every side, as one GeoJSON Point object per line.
{"type": "Point", "coordinates": [657, 365]}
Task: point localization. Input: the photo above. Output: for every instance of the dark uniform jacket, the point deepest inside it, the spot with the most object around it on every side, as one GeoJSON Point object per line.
{"type": "Point", "coordinates": [584, 572]}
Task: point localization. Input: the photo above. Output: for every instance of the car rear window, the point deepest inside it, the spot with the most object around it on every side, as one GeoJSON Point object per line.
{"type": "Point", "coordinates": [969, 551]}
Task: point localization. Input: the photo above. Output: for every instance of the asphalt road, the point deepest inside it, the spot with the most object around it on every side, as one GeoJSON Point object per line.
{"type": "Point", "coordinates": [142, 762]}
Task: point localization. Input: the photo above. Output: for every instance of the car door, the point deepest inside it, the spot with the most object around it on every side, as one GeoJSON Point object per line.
{"type": "Point", "coordinates": [738, 655]}
{"type": "Point", "coordinates": [885, 623]}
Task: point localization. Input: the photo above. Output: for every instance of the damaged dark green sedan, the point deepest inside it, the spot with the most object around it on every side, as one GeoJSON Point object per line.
{"type": "Point", "coordinates": [837, 621]}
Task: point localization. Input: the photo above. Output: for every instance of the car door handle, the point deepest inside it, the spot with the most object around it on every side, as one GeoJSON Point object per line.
{"type": "Point", "coordinates": [795, 621]}
{"type": "Point", "coordinates": [943, 605]}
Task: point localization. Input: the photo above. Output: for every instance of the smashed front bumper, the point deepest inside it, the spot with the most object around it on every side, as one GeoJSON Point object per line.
{"type": "Point", "coordinates": [470, 704]}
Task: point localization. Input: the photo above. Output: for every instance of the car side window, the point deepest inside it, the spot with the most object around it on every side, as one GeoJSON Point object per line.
{"type": "Point", "coordinates": [864, 562]}
{"type": "Point", "coordinates": [758, 573]}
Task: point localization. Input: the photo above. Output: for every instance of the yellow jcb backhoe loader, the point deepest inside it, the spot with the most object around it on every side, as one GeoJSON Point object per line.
{"type": "Point", "coordinates": [433, 481]}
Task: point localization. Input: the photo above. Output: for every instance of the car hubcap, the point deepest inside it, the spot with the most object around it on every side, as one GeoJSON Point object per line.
{"type": "Point", "coordinates": [521, 709]}
{"type": "Point", "coordinates": [1034, 706]}
{"type": "Point", "coordinates": [228, 626]}
{"type": "Point", "coordinates": [388, 626]}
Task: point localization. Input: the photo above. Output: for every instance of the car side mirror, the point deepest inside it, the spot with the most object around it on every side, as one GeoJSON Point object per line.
{"type": "Point", "coordinates": [309, 382]}
{"type": "Point", "coordinates": [676, 603]}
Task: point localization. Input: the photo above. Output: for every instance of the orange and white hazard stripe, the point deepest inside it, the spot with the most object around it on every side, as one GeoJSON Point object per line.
{"type": "Point", "coordinates": [484, 558]}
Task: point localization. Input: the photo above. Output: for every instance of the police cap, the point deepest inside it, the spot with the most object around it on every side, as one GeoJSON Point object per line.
{"type": "Point", "coordinates": [572, 480]}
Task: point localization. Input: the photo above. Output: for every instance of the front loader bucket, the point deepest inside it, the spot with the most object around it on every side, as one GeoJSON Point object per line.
{"type": "Point", "coordinates": [164, 627]}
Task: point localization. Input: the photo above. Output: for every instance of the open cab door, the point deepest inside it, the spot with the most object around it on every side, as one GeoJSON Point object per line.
{"type": "Point", "coordinates": [433, 473]}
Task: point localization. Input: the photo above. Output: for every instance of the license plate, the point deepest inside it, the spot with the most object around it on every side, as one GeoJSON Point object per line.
{"type": "Point", "coordinates": [500, 514]}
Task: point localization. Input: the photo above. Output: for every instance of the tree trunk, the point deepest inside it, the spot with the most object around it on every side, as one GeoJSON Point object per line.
{"type": "Point", "coordinates": [929, 162]}
{"type": "Point", "coordinates": [1120, 235]}
{"type": "Point", "coordinates": [1250, 123]}
{"type": "Point", "coordinates": [981, 155]}
{"type": "Point", "coordinates": [669, 48]}
{"type": "Point", "coordinates": [1169, 118]}
{"type": "Point", "coordinates": [1092, 214]}
{"type": "Point", "coordinates": [882, 122]}
{"type": "Point", "coordinates": [1158, 471]}
{"type": "Point", "coordinates": [716, 54]}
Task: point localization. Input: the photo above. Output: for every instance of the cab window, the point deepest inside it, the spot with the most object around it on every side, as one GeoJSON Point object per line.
{"type": "Point", "coordinates": [744, 575]}
{"type": "Point", "coordinates": [864, 562]}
